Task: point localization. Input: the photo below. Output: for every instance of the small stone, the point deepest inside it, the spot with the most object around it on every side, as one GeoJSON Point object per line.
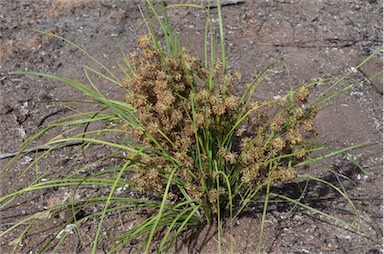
{"type": "Point", "coordinates": [373, 251]}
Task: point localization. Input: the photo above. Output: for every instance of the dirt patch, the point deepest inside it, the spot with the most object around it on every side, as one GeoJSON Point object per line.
{"type": "Point", "coordinates": [319, 39]}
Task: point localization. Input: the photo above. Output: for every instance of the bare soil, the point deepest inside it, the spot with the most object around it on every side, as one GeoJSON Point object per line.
{"type": "Point", "coordinates": [319, 39]}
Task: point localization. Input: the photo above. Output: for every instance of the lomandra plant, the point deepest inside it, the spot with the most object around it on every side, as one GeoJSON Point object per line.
{"type": "Point", "coordinates": [196, 151]}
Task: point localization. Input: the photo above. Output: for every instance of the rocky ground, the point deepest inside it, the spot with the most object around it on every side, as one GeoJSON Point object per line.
{"type": "Point", "coordinates": [319, 39]}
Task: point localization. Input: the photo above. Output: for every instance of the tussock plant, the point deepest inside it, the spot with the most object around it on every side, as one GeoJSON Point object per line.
{"type": "Point", "coordinates": [196, 150]}
{"type": "Point", "coordinates": [215, 144]}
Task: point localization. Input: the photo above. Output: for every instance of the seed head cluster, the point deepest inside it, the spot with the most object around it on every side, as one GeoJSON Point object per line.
{"type": "Point", "coordinates": [180, 114]}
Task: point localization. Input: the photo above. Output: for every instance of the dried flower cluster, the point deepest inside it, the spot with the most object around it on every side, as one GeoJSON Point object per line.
{"type": "Point", "coordinates": [179, 113]}
{"type": "Point", "coordinates": [274, 144]}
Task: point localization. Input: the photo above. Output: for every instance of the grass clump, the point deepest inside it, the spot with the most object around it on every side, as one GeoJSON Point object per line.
{"type": "Point", "coordinates": [198, 150]}
{"type": "Point", "coordinates": [217, 143]}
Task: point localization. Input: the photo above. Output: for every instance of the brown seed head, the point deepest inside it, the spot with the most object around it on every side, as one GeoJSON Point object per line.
{"type": "Point", "coordinates": [302, 94]}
